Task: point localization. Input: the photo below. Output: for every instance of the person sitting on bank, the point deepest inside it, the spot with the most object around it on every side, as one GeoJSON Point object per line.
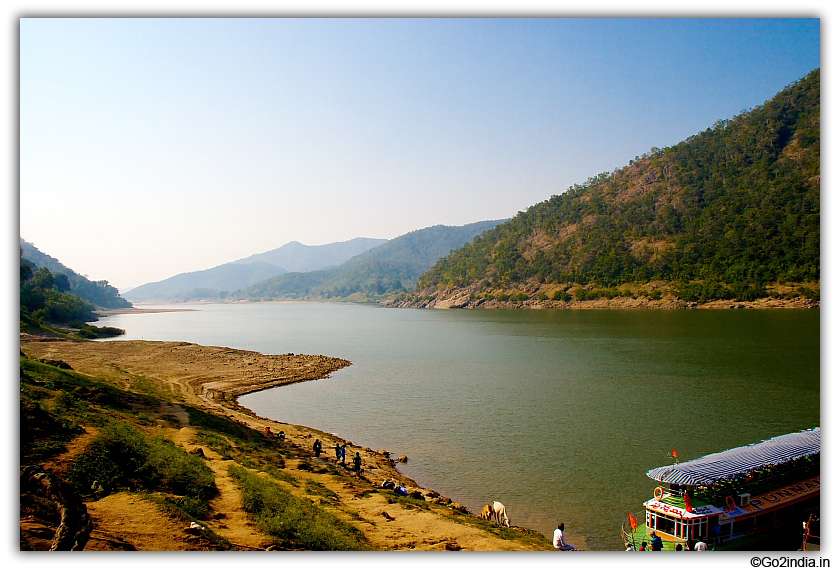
{"type": "Point", "coordinates": [560, 538]}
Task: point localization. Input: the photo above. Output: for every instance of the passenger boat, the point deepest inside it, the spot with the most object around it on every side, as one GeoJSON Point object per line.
{"type": "Point", "coordinates": [755, 497]}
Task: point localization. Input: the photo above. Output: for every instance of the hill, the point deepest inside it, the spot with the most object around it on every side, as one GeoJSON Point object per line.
{"type": "Point", "coordinates": [388, 269]}
{"type": "Point", "coordinates": [219, 281]}
{"type": "Point", "coordinates": [100, 293]}
{"type": "Point", "coordinates": [725, 214]}
{"type": "Point", "coordinates": [214, 282]}
{"type": "Point", "coordinates": [300, 258]}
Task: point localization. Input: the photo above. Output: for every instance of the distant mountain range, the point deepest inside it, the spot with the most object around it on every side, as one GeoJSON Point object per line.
{"type": "Point", "coordinates": [220, 281]}
{"type": "Point", "coordinates": [100, 293]}
{"type": "Point", "coordinates": [294, 256]}
{"type": "Point", "coordinates": [388, 269]}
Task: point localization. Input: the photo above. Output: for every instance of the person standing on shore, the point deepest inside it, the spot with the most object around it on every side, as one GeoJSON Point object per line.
{"type": "Point", "coordinates": [343, 453]}
{"type": "Point", "coordinates": [357, 463]}
{"type": "Point", "coordinates": [337, 452]}
{"type": "Point", "coordinates": [317, 448]}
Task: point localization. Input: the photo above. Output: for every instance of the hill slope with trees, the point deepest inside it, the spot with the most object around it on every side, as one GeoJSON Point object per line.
{"type": "Point", "coordinates": [388, 269]}
{"type": "Point", "coordinates": [47, 305]}
{"type": "Point", "coordinates": [722, 215]}
{"type": "Point", "coordinates": [100, 293]}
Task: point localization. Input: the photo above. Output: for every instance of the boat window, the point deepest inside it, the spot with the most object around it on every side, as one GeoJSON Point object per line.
{"type": "Point", "coordinates": [665, 524]}
{"type": "Point", "coordinates": [697, 529]}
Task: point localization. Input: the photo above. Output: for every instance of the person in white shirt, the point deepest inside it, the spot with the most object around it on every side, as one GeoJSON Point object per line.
{"type": "Point", "coordinates": [700, 546]}
{"type": "Point", "coordinates": [560, 538]}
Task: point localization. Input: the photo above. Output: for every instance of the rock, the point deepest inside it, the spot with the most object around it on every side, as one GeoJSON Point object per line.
{"type": "Point", "coordinates": [387, 516]}
{"type": "Point", "coordinates": [194, 529]}
{"type": "Point", "coordinates": [384, 453]}
{"type": "Point", "coordinates": [198, 451]}
{"type": "Point", "coordinates": [459, 507]}
{"type": "Point", "coordinates": [452, 546]}
{"type": "Point", "coordinates": [432, 494]}
{"type": "Point", "coordinates": [403, 459]}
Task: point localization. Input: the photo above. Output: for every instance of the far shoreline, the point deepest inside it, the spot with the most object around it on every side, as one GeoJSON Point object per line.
{"type": "Point", "coordinates": [138, 311]}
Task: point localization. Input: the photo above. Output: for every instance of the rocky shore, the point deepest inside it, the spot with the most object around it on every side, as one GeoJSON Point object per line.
{"type": "Point", "coordinates": [467, 300]}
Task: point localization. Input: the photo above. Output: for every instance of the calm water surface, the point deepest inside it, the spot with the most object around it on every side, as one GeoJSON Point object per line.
{"type": "Point", "coordinates": [558, 414]}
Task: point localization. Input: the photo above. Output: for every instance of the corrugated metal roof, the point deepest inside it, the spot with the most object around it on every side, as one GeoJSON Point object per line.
{"type": "Point", "coordinates": [717, 466]}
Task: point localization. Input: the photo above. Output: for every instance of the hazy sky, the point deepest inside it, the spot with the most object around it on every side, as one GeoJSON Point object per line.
{"type": "Point", "coordinates": [151, 147]}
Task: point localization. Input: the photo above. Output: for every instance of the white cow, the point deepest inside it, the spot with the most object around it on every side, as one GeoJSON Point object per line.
{"type": "Point", "coordinates": [499, 514]}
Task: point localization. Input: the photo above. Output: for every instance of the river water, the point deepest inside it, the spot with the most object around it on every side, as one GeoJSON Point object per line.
{"type": "Point", "coordinates": [556, 413]}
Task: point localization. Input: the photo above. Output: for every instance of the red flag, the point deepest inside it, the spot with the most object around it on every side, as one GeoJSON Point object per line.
{"type": "Point", "coordinates": [633, 522]}
{"type": "Point", "coordinates": [674, 452]}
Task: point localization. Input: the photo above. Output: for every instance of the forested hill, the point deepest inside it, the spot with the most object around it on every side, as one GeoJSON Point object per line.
{"type": "Point", "coordinates": [723, 214]}
{"type": "Point", "coordinates": [388, 269]}
{"type": "Point", "coordinates": [100, 293]}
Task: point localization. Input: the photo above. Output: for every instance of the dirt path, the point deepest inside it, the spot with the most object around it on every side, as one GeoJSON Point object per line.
{"type": "Point", "coordinates": [227, 518]}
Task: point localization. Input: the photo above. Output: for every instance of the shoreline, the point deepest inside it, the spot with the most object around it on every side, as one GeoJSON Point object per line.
{"type": "Point", "coordinates": [213, 378]}
{"type": "Point", "coordinates": [466, 301]}
{"type": "Point", "coordinates": [137, 311]}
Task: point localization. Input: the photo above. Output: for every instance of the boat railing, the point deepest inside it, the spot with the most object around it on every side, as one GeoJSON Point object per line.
{"type": "Point", "coordinates": [761, 482]}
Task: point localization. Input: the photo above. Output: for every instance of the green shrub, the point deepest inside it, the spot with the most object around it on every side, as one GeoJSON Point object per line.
{"type": "Point", "coordinates": [561, 296]}
{"type": "Point", "coordinates": [122, 456]}
{"type": "Point", "coordinates": [92, 331]}
{"type": "Point", "coordinates": [295, 522]}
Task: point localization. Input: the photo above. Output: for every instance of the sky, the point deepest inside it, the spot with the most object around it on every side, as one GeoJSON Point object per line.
{"type": "Point", "coordinates": [155, 146]}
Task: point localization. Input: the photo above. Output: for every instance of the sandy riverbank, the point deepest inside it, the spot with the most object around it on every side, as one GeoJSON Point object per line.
{"type": "Point", "coordinates": [213, 377]}
{"type": "Point", "coordinates": [138, 311]}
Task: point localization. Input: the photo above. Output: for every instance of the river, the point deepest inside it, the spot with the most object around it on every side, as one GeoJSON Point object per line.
{"type": "Point", "coordinates": [556, 413]}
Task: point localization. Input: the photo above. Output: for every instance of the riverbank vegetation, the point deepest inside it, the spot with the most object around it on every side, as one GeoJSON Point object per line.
{"type": "Point", "coordinates": [48, 305]}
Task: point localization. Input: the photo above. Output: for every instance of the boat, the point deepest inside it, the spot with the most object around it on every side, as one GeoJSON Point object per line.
{"type": "Point", "coordinates": [755, 497]}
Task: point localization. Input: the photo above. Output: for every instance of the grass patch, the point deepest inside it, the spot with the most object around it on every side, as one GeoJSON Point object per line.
{"type": "Point", "coordinates": [295, 523]}
{"type": "Point", "coordinates": [122, 456]}
{"type": "Point", "coordinates": [42, 433]}
{"type": "Point", "coordinates": [315, 488]}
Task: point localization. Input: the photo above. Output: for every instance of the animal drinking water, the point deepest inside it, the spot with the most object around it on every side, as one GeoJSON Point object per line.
{"type": "Point", "coordinates": [495, 512]}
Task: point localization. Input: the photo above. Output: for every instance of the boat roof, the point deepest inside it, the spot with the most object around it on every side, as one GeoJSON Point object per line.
{"type": "Point", "coordinates": [718, 466]}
